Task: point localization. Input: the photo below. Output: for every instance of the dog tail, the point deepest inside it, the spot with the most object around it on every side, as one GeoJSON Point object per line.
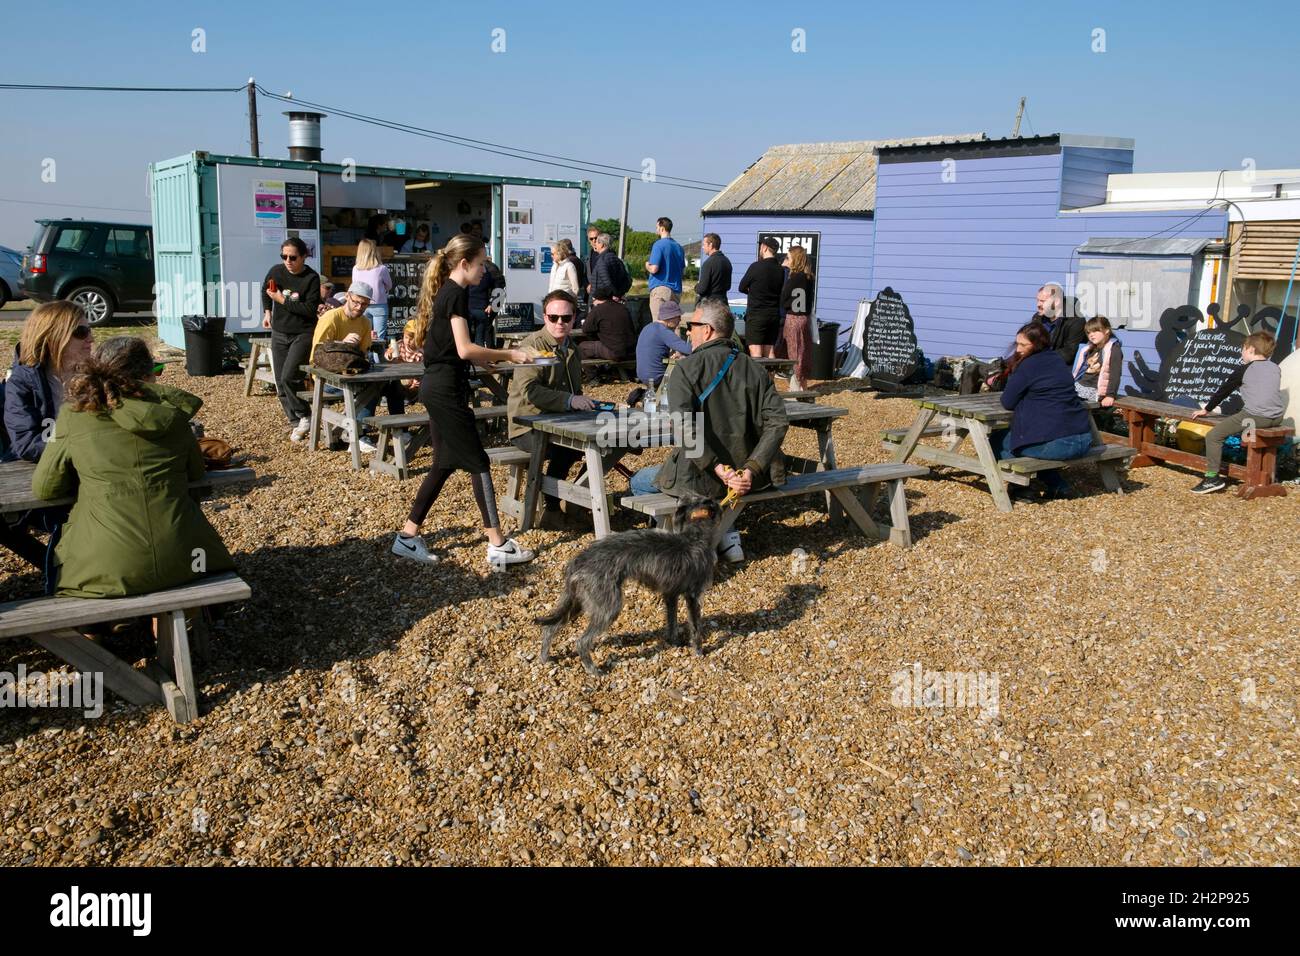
{"type": "Point", "coordinates": [560, 612]}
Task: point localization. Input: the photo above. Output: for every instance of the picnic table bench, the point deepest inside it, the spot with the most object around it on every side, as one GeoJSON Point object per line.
{"type": "Point", "coordinates": [394, 452]}
{"type": "Point", "coordinates": [621, 366]}
{"type": "Point", "coordinates": [839, 483]}
{"type": "Point", "coordinates": [1258, 477]}
{"type": "Point", "coordinates": [975, 417]}
{"type": "Point", "coordinates": [52, 623]}
{"type": "Point", "coordinates": [16, 486]}
{"type": "Point", "coordinates": [258, 366]}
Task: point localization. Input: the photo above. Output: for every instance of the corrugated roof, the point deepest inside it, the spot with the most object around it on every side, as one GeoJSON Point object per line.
{"type": "Point", "coordinates": [815, 177]}
{"type": "Point", "coordinates": [1176, 246]}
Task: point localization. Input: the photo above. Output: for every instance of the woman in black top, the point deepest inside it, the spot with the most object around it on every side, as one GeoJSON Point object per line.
{"type": "Point", "coordinates": [762, 283]}
{"type": "Point", "coordinates": [290, 297]}
{"type": "Point", "coordinates": [796, 303]}
{"type": "Point", "coordinates": [445, 391]}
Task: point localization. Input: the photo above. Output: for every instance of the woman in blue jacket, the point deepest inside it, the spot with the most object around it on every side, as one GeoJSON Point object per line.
{"type": "Point", "coordinates": [56, 339]}
{"type": "Point", "coordinates": [1051, 420]}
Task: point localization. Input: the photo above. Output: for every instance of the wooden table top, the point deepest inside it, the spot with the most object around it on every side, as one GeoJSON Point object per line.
{"type": "Point", "coordinates": [1150, 406]}
{"type": "Point", "coordinates": [390, 372]}
{"type": "Point", "coordinates": [984, 407]}
{"type": "Point", "coordinates": [16, 486]}
{"type": "Point", "coordinates": [587, 426]}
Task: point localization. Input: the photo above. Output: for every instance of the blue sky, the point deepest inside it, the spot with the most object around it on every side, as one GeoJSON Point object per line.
{"type": "Point", "coordinates": [702, 89]}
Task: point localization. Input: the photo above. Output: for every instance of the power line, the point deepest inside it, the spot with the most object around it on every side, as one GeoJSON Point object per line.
{"type": "Point", "coordinates": [70, 205]}
{"type": "Point", "coordinates": [123, 89]}
{"type": "Point", "coordinates": [499, 149]}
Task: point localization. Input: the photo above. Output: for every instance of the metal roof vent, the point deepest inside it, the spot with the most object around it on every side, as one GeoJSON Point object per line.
{"type": "Point", "coordinates": [304, 135]}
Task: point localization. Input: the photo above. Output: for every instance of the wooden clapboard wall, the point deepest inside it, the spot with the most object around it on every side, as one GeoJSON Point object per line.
{"type": "Point", "coordinates": [1268, 250]}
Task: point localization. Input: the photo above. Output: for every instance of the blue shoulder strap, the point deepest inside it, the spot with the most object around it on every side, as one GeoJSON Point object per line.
{"type": "Point", "coordinates": [731, 357]}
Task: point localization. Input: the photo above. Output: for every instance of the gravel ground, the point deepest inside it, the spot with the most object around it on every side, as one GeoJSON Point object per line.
{"type": "Point", "coordinates": [364, 711]}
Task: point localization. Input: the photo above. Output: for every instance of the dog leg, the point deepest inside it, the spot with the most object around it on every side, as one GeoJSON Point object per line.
{"type": "Point", "coordinates": [598, 622]}
{"type": "Point", "coordinates": [670, 611]}
{"type": "Point", "coordinates": [697, 635]}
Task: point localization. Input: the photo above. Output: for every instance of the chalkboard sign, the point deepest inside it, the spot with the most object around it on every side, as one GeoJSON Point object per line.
{"type": "Point", "coordinates": [404, 297]}
{"type": "Point", "coordinates": [890, 339]}
{"type": "Point", "coordinates": [517, 317]}
{"type": "Point", "coordinates": [1200, 366]}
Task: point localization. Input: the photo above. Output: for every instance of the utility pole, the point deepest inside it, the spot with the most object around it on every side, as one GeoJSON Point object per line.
{"type": "Point", "coordinates": [622, 219]}
{"type": "Point", "coordinates": [252, 115]}
{"type": "Point", "coordinates": [1019, 114]}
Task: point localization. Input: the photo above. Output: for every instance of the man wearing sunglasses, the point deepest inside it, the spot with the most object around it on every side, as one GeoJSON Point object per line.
{"type": "Point", "coordinates": [535, 389]}
{"type": "Point", "coordinates": [290, 295]}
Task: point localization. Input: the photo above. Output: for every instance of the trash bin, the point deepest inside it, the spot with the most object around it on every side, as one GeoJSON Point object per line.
{"type": "Point", "coordinates": [205, 337]}
{"type": "Point", "coordinates": [828, 340]}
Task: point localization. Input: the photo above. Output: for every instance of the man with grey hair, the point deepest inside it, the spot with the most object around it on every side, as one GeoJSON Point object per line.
{"type": "Point", "coordinates": [741, 421]}
{"type": "Point", "coordinates": [1064, 326]}
{"type": "Point", "coordinates": [608, 269]}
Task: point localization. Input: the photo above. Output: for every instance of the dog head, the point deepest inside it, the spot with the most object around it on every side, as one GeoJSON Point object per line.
{"type": "Point", "coordinates": [696, 510]}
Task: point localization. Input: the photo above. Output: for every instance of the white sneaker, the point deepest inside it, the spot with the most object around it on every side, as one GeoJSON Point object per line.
{"type": "Point", "coordinates": [729, 548]}
{"type": "Point", "coordinates": [413, 548]}
{"type": "Point", "coordinates": [301, 431]}
{"type": "Point", "coordinates": [512, 552]}
{"type": "Point", "coordinates": [367, 446]}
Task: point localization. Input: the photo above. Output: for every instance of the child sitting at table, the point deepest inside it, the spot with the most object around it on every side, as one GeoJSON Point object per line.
{"type": "Point", "coordinates": [1260, 382]}
{"type": "Point", "coordinates": [1099, 363]}
{"type": "Point", "coordinates": [410, 349]}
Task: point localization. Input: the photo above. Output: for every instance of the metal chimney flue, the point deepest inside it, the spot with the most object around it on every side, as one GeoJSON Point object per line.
{"type": "Point", "coordinates": [304, 135]}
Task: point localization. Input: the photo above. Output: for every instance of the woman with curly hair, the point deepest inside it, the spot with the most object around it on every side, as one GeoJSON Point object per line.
{"type": "Point", "coordinates": [123, 445]}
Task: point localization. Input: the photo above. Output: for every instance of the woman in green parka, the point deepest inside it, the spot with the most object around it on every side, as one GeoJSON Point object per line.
{"type": "Point", "coordinates": [123, 445]}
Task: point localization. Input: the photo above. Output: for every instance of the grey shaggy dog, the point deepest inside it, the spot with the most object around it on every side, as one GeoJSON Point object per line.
{"type": "Point", "coordinates": [676, 564]}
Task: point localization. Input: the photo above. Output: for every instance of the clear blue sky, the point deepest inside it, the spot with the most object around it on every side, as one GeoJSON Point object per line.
{"type": "Point", "coordinates": [703, 88]}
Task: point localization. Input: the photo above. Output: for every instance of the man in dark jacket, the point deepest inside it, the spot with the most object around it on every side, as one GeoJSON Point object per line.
{"type": "Point", "coordinates": [608, 269]}
{"type": "Point", "coordinates": [715, 270]}
{"type": "Point", "coordinates": [744, 421]}
{"type": "Point", "coordinates": [290, 295]}
{"type": "Point", "coordinates": [608, 328]}
{"type": "Point", "coordinates": [1064, 331]}
{"type": "Point", "coordinates": [483, 301]}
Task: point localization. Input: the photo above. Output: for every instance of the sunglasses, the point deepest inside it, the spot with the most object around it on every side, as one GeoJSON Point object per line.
{"type": "Point", "coordinates": [559, 318]}
{"type": "Point", "coordinates": [81, 332]}
{"type": "Point", "coordinates": [289, 258]}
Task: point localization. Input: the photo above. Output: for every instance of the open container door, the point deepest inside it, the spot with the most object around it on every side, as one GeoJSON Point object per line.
{"type": "Point", "coordinates": [259, 207]}
{"type": "Point", "coordinates": [178, 255]}
{"type": "Point", "coordinates": [533, 218]}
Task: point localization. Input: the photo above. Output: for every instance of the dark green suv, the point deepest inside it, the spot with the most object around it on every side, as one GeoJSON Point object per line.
{"type": "Point", "coordinates": [104, 267]}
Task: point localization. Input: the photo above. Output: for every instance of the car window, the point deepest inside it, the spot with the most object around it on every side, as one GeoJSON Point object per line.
{"type": "Point", "coordinates": [72, 239]}
{"type": "Point", "coordinates": [131, 243]}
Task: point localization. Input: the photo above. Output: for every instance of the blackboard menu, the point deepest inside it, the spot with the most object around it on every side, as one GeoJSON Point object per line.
{"type": "Point", "coordinates": [517, 317]}
{"type": "Point", "coordinates": [404, 298]}
{"type": "Point", "coordinates": [890, 339]}
{"type": "Point", "coordinates": [1202, 363]}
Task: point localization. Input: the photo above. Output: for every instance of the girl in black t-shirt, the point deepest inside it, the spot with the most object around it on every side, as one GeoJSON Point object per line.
{"type": "Point", "coordinates": [445, 391]}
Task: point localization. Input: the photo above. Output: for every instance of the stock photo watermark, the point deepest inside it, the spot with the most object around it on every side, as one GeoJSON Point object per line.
{"type": "Point", "coordinates": [39, 690]}
{"type": "Point", "coordinates": [950, 690]}
{"type": "Point", "coordinates": [632, 428]}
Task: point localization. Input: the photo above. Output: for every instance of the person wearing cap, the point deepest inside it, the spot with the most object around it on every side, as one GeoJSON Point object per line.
{"type": "Point", "coordinates": [122, 444]}
{"type": "Point", "coordinates": [350, 323]}
{"type": "Point", "coordinates": [762, 283]}
{"type": "Point", "coordinates": [608, 328]}
{"type": "Point", "coordinates": [657, 342]}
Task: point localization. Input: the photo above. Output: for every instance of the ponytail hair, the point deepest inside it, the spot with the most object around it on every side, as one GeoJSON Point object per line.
{"type": "Point", "coordinates": [457, 249]}
{"type": "Point", "coordinates": [116, 370]}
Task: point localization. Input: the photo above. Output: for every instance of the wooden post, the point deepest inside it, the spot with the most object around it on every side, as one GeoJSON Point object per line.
{"type": "Point", "coordinates": [252, 117]}
{"type": "Point", "coordinates": [622, 218]}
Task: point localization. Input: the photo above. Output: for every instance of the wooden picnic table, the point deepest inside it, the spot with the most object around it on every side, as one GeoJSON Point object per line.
{"type": "Point", "coordinates": [1258, 477]}
{"type": "Point", "coordinates": [775, 366]}
{"type": "Point", "coordinates": [16, 486]}
{"type": "Point", "coordinates": [975, 418]}
{"type": "Point", "coordinates": [605, 439]}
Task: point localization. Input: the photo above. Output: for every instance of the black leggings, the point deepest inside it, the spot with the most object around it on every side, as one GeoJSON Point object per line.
{"type": "Point", "coordinates": [484, 492]}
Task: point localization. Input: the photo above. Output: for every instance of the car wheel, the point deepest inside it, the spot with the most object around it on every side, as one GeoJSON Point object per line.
{"type": "Point", "coordinates": [97, 303]}
{"type": "Point", "coordinates": [4, 295]}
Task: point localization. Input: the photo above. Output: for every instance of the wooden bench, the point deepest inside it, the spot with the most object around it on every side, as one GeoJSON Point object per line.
{"type": "Point", "coordinates": [1109, 459]}
{"type": "Point", "coordinates": [52, 621]}
{"type": "Point", "coordinates": [1258, 477]}
{"type": "Point", "coordinates": [517, 460]}
{"type": "Point", "coordinates": [839, 482]}
{"type": "Point", "coordinates": [799, 395]}
{"type": "Point", "coordinates": [622, 367]}
{"type": "Point", "coordinates": [258, 367]}
{"type": "Point", "coordinates": [393, 452]}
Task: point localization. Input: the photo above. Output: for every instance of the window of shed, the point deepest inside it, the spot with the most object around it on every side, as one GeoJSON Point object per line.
{"type": "Point", "coordinates": [1133, 291]}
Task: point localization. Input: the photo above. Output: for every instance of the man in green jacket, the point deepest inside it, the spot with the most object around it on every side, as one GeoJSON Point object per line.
{"type": "Point", "coordinates": [129, 460]}
{"type": "Point", "coordinates": [740, 425]}
{"type": "Point", "coordinates": [537, 389]}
